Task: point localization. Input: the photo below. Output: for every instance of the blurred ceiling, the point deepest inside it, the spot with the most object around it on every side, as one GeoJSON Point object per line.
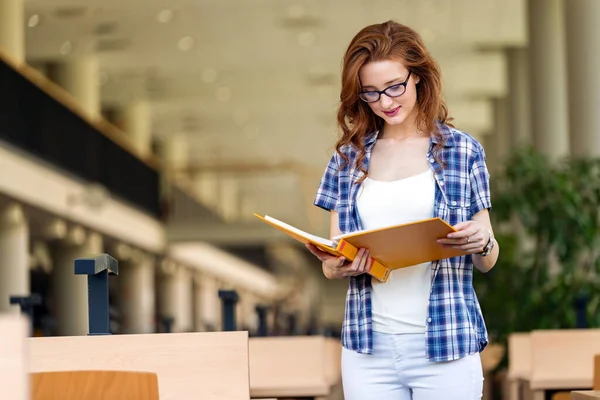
{"type": "Point", "coordinates": [256, 82]}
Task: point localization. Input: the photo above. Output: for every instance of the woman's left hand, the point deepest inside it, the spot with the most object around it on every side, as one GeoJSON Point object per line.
{"type": "Point", "coordinates": [471, 237]}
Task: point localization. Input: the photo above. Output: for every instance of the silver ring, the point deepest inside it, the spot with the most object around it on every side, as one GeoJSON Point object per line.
{"type": "Point", "coordinates": [468, 239]}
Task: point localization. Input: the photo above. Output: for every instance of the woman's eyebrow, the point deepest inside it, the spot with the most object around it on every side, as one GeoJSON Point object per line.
{"type": "Point", "coordinates": [385, 84]}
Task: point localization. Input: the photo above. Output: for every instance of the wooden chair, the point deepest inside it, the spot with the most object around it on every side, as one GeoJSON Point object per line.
{"type": "Point", "coordinates": [94, 385]}
{"type": "Point", "coordinates": [519, 364]}
{"type": "Point", "coordinates": [562, 360]}
{"type": "Point", "coordinates": [490, 358]}
{"type": "Point", "coordinates": [585, 395]}
{"type": "Point", "coordinates": [561, 396]}
{"type": "Point", "coordinates": [207, 365]}
{"type": "Point", "coordinates": [14, 381]}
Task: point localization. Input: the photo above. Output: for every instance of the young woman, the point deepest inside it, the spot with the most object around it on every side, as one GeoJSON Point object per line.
{"type": "Point", "coordinates": [419, 335]}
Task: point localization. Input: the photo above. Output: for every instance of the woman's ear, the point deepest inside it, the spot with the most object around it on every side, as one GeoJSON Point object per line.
{"type": "Point", "coordinates": [417, 80]}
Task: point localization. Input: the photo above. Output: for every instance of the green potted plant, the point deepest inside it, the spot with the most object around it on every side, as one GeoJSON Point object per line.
{"type": "Point", "coordinates": [547, 218]}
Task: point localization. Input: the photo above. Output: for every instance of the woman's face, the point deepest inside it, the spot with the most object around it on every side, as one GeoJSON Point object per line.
{"type": "Point", "coordinates": [389, 75]}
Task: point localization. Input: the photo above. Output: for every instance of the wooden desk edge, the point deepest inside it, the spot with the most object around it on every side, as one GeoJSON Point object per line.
{"type": "Point", "coordinates": [289, 391]}
{"type": "Point", "coordinates": [558, 384]}
{"type": "Point", "coordinates": [585, 395]}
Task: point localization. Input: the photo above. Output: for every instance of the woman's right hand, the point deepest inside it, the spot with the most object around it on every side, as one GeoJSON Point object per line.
{"type": "Point", "coordinates": [337, 267]}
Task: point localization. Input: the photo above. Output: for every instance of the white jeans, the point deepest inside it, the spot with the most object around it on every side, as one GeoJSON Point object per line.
{"type": "Point", "coordinates": [398, 370]}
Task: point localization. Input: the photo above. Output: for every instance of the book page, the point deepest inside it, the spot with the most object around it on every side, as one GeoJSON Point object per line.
{"type": "Point", "coordinates": [315, 238]}
{"type": "Point", "coordinates": [362, 231]}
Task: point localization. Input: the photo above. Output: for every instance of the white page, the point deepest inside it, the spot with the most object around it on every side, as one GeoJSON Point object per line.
{"type": "Point", "coordinates": [318, 239]}
{"type": "Point", "coordinates": [344, 235]}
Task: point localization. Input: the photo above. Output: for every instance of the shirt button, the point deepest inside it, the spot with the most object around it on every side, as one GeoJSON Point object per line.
{"type": "Point", "coordinates": [453, 203]}
{"type": "Point", "coordinates": [441, 183]}
{"type": "Point", "coordinates": [428, 319]}
{"type": "Point", "coordinates": [431, 160]}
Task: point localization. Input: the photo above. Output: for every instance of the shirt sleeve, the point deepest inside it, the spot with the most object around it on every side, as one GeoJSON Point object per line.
{"type": "Point", "coordinates": [328, 191]}
{"type": "Point", "coordinates": [480, 183]}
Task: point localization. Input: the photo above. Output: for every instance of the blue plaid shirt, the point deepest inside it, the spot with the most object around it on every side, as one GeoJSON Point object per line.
{"type": "Point", "coordinates": [455, 325]}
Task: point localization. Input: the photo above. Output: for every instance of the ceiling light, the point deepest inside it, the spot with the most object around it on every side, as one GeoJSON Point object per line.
{"type": "Point", "coordinates": [223, 93]}
{"type": "Point", "coordinates": [209, 75]}
{"type": "Point", "coordinates": [66, 47]}
{"type": "Point", "coordinates": [34, 21]}
{"type": "Point", "coordinates": [164, 16]}
{"type": "Point", "coordinates": [185, 43]}
{"type": "Point", "coordinates": [307, 39]}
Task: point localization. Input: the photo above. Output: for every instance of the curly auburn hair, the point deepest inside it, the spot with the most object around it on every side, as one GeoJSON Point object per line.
{"type": "Point", "coordinates": [378, 42]}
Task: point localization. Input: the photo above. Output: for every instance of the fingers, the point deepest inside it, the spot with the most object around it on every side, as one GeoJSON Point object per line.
{"type": "Point", "coordinates": [338, 266]}
{"type": "Point", "coordinates": [464, 230]}
{"type": "Point", "coordinates": [320, 254]}
{"type": "Point", "coordinates": [469, 237]}
{"type": "Point", "coordinates": [360, 264]}
{"type": "Point", "coordinates": [469, 244]}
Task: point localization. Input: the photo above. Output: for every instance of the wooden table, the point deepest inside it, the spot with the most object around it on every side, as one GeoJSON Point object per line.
{"type": "Point", "coordinates": [208, 366]}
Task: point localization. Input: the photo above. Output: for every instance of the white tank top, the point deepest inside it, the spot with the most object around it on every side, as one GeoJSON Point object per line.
{"type": "Point", "coordinates": [400, 304]}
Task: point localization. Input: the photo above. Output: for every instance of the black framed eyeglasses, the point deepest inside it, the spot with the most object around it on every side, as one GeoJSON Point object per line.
{"type": "Point", "coordinates": [395, 90]}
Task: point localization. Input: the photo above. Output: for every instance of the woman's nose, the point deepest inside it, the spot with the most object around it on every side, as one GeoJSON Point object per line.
{"type": "Point", "coordinates": [385, 101]}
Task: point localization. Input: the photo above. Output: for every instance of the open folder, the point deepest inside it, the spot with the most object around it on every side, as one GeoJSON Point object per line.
{"type": "Point", "coordinates": [390, 248]}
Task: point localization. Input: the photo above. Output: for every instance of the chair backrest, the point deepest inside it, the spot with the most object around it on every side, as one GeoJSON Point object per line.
{"type": "Point", "coordinates": [519, 355]}
{"type": "Point", "coordinates": [561, 396]}
{"type": "Point", "coordinates": [294, 366]}
{"type": "Point", "coordinates": [14, 380]}
{"type": "Point", "coordinates": [491, 356]}
{"type": "Point", "coordinates": [585, 395]}
{"type": "Point", "coordinates": [93, 385]}
{"type": "Point", "coordinates": [208, 365]}
{"type": "Point", "coordinates": [563, 358]}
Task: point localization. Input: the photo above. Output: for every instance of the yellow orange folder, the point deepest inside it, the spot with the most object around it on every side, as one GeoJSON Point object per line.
{"type": "Point", "coordinates": [390, 248]}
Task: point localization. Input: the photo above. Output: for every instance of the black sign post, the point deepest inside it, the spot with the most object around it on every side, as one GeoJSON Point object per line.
{"type": "Point", "coordinates": [26, 303]}
{"type": "Point", "coordinates": [229, 299]}
{"type": "Point", "coordinates": [97, 268]}
{"type": "Point", "coordinates": [261, 311]}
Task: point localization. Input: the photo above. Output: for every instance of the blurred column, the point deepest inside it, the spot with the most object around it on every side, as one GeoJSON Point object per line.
{"type": "Point", "coordinates": [175, 297]}
{"type": "Point", "coordinates": [498, 142]}
{"type": "Point", "coordinates": [14, 255]}
{"type": "Point", "coordinates": [229, 198]}
{"type": "Point", "coordinates": [79, 76]}
{"type": "Point", "coordinates": [208, 306]}
{"type": "Point", "coordinates": [70, 291]}
{"type": "Point", "coordinates": [174, 153]}
{"type": "Point", "coordinates": [137, 123]}
{"type": "Point", "coordinates": [197, 294]}
{"type": "Point", "coordinates": [207, 187]}
{"type": "Point", "coordinates": [247, 318]}
{"type": "Point", "coordinates": [548, 77]}
{"type": "Point", "coordinates": [137, 294]}
{"type": "Point", "coordinates": [519, 97]}
{"type": "Point", "coordinates": [12, 29]}
{"type": "Point", "coordinates": [583, 36]}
